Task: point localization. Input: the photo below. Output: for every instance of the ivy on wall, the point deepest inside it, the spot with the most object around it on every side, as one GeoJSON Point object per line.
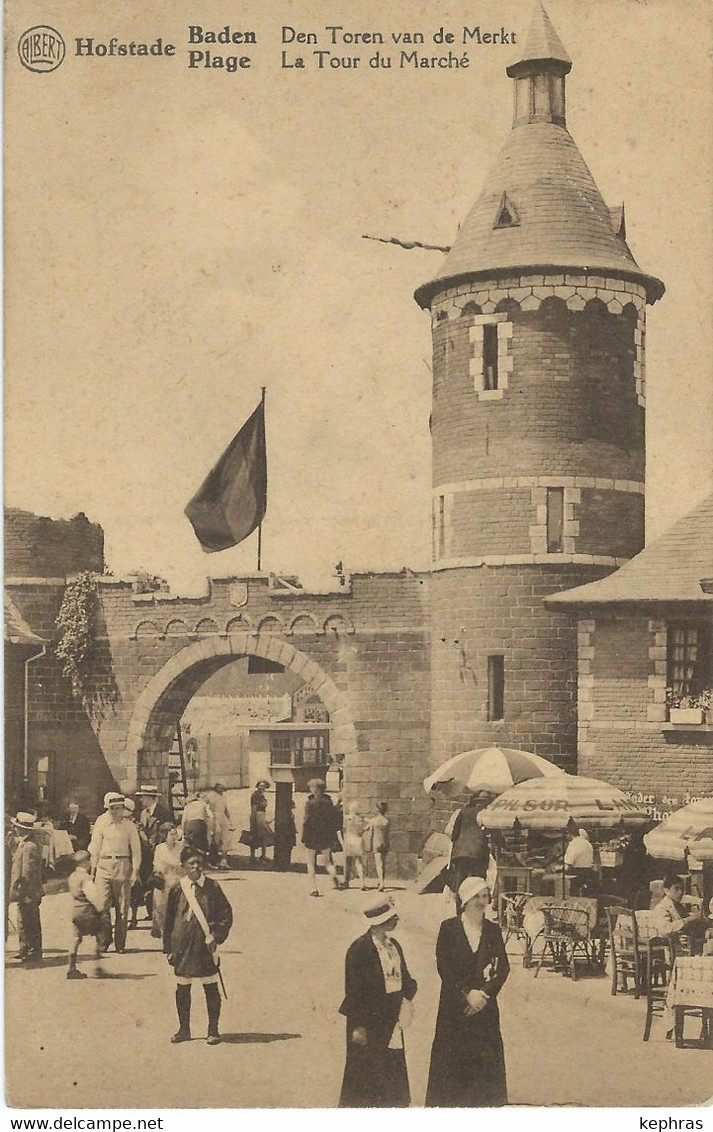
{"type": "Point", "coordinates": [75, 624]}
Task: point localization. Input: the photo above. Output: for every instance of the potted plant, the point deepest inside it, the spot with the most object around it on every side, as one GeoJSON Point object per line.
{"type": "Point", "coordinates": [689, 710]}
{"type": "Point", "coordinates": [611, 853]}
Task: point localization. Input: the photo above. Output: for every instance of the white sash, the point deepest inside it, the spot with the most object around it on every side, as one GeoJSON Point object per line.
{"type": "Point", "coordinates": [197, 911]}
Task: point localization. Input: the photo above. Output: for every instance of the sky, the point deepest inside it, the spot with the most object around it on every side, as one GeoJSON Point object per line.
{"type": "Point", "coordinates": [177, 238]}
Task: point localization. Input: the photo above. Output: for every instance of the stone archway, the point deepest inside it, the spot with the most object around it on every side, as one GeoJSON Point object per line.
{"type": "Point", "coordinates": [167, 694]}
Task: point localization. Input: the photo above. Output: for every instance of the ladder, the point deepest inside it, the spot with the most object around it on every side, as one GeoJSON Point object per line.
{"type": "Point", "coordinates": [177, 766]}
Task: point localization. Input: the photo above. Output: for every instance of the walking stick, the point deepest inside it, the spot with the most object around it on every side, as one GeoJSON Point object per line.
{"type": "Point", "coordinates": [220, 978]}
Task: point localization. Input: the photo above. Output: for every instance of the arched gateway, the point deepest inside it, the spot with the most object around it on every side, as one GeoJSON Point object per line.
{"type": "Point", "coordinates": [361, 649]}
{"type": "Point", "coordinates": [166, 696]}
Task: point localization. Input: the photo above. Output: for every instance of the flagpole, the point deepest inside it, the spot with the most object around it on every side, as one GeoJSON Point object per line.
{"type": "Point", "coordinates": [259, 529]}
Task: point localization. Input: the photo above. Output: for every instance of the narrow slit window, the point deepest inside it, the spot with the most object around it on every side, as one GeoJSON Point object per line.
{"type": "Point", "coordinates": [441, 527]}
{"type": "Point", "coordinates": [490, 356]}
{"type": "Point", "coordinates": [496, 687]}
{"type": "Point", "coordinates": [555, 520]}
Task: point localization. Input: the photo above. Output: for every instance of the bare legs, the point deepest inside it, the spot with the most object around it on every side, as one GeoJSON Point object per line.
{"type": "Point", "coordinates": [379, 863]}
{"type": "Point", "coordinates": [311, 858]}
{"type": "Point", "coordinates": [357, 864]}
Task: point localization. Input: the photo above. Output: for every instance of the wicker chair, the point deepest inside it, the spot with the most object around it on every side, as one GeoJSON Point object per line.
{"type": "Point", "coordinates": [512, 907]}
{"type": "Point", "coordinates": [566, 937]}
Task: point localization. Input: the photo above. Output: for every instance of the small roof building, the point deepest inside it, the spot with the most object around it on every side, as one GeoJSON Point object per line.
{"type": "Point", "coordinates": [645, 668]}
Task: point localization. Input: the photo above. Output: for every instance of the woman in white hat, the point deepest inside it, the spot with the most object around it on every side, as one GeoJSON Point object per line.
{"type": "Point", "coordinates": [467, 1061]}
{"type": "Point", "coordinates": [377, 983]}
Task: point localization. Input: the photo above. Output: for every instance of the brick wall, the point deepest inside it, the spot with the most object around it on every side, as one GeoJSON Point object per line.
{"type": "Point", "coordinates": [500, 610]}
{"type": "Point", "coordinates": [570, 406]}
{"type": "Point", "coordinates": [620, 689]}
{"type": "Point", "coordinates": [487, 522]}
{"type": "Point", "coordinates": [610, 519]}
{"type": "Point", "coordinates": [40, 547]}
{"type": "Point", "coordinates": [568, 413]}
{"type": "Point", "coordinates": [369, 640]}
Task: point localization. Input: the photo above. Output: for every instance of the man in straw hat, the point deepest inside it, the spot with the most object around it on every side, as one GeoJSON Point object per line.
{"type": "Point", "coordinates": [26, 888]}
{"type": "Point", "coordinates": [116, 859]}
{"type": "Point", "coordinates": [377, 982]}
{"type": "Point", "coordinates": [153, 813]}
{"type": "Point", "coordinates": [198, 919]}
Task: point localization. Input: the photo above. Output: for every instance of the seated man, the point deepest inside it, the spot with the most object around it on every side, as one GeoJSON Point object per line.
{"type": "Point", "coordinates": [670, 916]}
{"type": "Point", "coordinates": [579, 859]}
{"type": "Point", "coordinates": [76, 825]}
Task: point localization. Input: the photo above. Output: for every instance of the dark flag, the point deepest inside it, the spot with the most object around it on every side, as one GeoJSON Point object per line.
{"type": "Point", "coordinates": [231, 501]}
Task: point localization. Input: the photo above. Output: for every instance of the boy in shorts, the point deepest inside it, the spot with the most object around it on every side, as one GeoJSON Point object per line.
{"type": "Point", "coordinates": [87, 919]}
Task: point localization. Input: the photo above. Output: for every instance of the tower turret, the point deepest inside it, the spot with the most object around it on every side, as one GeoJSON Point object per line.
{"type": "Point", "coordinates": [538, 316]}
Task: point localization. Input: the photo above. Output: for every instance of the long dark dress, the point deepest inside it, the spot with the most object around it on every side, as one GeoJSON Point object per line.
{"type": "Point", "coordinates": [467, 1060]}
{"type": "Point", "coordinates": [374, 1075]}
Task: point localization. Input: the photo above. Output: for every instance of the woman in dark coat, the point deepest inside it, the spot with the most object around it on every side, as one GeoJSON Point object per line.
{"type": "Point", "coordinates": [189, 951]}
{"type": "Point", "coordinates": [467, 1060]}
{"type": "Point", "coordinates": [377, 982]}
{"type": "Point", "coordinates": [319, 832]}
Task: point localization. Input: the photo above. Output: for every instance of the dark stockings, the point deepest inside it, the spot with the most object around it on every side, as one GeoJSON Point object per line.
{"type": "Point", "coordinates": [183, 1006]}
{"type": "Point", "coordinates": [212, 1000]}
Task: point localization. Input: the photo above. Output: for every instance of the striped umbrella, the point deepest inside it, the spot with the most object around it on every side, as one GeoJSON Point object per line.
{"type": "Point", "coordinates": [492, 769]}
{"type": "Point", "coordinates": [688, 829]}
{"type": "Point", "coordinates": [555, 803]}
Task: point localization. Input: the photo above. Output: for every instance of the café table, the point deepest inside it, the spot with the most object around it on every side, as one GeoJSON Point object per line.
{"type": "Point", "coordinates": [691, 988]}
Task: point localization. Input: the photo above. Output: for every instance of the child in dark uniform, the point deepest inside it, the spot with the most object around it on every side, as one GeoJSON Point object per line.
{"type": "Point", "coordinates": [198, 919]}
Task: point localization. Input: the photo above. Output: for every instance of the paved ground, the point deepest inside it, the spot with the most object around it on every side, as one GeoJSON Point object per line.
{"type": "Point", "coordinates": [105, 1044]}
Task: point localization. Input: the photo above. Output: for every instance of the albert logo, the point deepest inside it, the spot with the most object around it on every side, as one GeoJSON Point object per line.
{"type": "Point", "coordinates": [41, 49]}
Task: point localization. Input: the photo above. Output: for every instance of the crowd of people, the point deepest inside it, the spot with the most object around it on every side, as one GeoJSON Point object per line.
{"type": "Point", "coordinates": [130, 858]}
{"type": "Point", "coordinates": [141, 856]}
{"type": "Point", "coordinates": [328, 830]}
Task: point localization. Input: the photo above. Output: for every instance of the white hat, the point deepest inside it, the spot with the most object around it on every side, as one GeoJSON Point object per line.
{"type": "Point", "coordinates": [129, 805]}
{"type": "Point", "coordinates": [153, 790]}
{"type": "Point", "coordinates": [24, 821]}
{"type": "Point", "coordinates": [471, 887]}
{"type": "Point", "coordinates": [379, 911]}
{"type": "Point", "coordinates": [113, 799]}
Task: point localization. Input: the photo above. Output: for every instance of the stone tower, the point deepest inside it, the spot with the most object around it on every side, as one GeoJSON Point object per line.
{"type": "Point", "coordinates": [538, 315]}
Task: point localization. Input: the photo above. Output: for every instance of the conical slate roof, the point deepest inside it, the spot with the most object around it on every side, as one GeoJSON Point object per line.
{"type": "Point", "coordinates": [670, 568]}
{"type": "Point", "coordinates": [542, 40]}
{"type": "Point", "coordinates": [562, 220]}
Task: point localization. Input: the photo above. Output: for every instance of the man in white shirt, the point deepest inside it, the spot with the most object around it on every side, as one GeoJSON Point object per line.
{"type": "Point", "coordinates": [579, 860]}
{"type": "Point", "coordinates": [580, 851]}
{"type": "Point", "coordinates": [116, 859]}
{"type": "Point", "coordinates": [670, 916]}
